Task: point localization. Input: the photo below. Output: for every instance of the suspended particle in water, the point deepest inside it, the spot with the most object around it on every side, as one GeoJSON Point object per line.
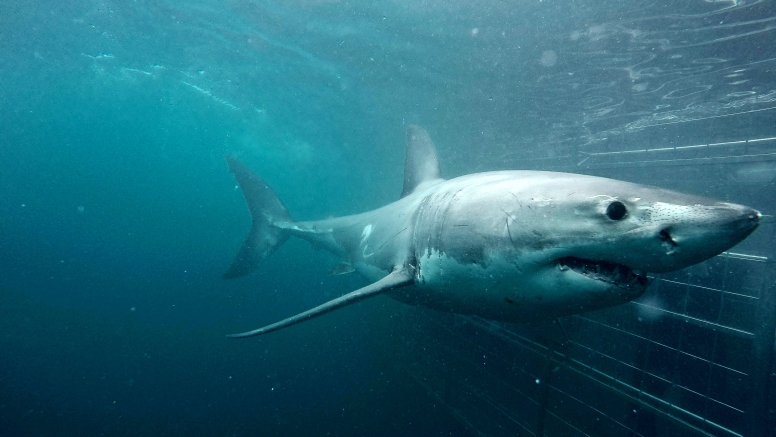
{"type": "Point", "coordinates": [549, 58]}
{"type": "Point", "coordinates": [80, 209]}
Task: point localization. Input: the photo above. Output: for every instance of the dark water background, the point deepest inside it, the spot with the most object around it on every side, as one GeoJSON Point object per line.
{"type": "Point", "coordinates": [118, 215]}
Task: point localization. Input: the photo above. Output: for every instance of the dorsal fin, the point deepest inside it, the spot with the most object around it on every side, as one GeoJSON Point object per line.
{"type": "Point", "coordinates": [421, 163]}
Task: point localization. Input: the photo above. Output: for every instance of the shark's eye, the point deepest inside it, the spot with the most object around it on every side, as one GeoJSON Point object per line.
{"type": "Point", "coordinates": [616, 210]}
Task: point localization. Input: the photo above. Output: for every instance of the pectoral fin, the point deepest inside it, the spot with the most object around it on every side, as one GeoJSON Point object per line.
{"type": "Point", "coordinates": [400, 277]}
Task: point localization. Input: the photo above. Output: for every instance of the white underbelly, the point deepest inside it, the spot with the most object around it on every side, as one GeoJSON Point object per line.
{"type": "Point", "coordinates": [499, 290]}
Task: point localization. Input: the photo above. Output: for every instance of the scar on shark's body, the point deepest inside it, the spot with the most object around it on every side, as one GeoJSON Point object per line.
{"type": "Point", "coordinates": [575, 243]}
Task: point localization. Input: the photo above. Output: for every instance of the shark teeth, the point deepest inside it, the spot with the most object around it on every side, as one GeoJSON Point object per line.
{"type": "Point", "coordinates": [616, 274]}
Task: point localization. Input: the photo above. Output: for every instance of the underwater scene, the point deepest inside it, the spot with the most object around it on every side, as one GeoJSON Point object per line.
{"type": "Point", "coordinates": [432, 218]}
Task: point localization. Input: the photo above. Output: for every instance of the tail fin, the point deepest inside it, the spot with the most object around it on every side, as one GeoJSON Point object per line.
{"type": "Point", "coordinates": [266, 209]}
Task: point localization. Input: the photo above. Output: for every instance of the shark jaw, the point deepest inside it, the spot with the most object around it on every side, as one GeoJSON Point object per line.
{"type": "Point", "coordinates": [618, 275]}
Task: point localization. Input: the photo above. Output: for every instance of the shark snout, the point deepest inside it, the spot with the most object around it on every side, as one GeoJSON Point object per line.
{"type": "Point", "coordinates": [726, 218]}
{"type": "Point", "coordinates": [749, 220]}
{"type": "Point", "coordinates": [697, 238]}
{"type": "Point", "coordinates": [735, 220]}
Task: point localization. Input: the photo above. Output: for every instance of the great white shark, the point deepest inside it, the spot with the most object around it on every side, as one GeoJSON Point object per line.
{"type": "Point", "coordinates": [507, 245]}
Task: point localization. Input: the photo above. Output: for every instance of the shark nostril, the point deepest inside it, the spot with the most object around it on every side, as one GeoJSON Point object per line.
{"type": "Point", "coordinates": [667, 241]}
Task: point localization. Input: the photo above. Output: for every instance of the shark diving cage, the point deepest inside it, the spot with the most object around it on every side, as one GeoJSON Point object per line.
{"type": "Point", "coordinates": [694, 356]}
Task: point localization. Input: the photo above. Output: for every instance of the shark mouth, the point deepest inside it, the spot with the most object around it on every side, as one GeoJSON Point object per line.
{"type": "Point", "coordinates": [616, 274]}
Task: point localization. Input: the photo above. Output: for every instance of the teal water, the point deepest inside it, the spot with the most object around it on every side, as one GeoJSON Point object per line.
{"type": "Point", "coordinates": [118, 214]}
